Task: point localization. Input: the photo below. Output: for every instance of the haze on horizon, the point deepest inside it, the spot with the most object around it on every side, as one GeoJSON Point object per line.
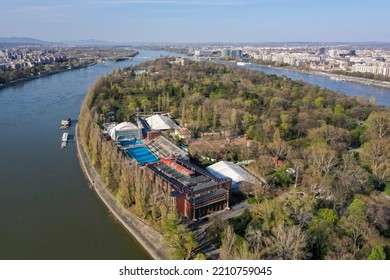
{"type": "Point", "coordinates": [197, 20]}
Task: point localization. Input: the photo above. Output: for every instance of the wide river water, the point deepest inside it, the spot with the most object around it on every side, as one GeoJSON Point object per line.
{"type": "Point", "coordinates": [353, 89]}
{"type": "Point", "coordinates": [47, 210]}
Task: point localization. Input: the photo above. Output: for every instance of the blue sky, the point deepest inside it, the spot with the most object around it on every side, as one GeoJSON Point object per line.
{"type": "Point", "coordinates": [197, 20]}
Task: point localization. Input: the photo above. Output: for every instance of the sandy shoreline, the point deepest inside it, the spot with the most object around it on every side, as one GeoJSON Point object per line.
{"type": "Point", "coordinates": [150, 239]}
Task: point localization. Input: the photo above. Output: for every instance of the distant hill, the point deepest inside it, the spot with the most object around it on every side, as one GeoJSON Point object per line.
{"type": "Point", "coordinates": [33, 41]}
{"type": "Point", "coordinates": [22, 40]}
{"type": "Point", "coordinates": [88, 42]}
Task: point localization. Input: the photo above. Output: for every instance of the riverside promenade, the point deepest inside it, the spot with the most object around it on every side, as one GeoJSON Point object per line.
{"type": "Point", "coordinates": [149, 238]}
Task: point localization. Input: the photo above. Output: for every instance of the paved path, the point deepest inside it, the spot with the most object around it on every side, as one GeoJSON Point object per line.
{"type": "Point", "coordinates": [149, 238]}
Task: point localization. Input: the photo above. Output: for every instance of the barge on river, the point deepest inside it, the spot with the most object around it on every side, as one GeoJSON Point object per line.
{"type": "Point", "coordinates": [65, 123]}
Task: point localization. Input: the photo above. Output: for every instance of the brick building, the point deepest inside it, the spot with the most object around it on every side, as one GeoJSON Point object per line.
{"type": "Point", "coordinates": [194, 191]}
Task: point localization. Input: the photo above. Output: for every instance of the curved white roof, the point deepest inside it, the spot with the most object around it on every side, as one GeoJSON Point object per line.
{"type": "Point", "coordinates": [121, 126]}
{"type": "Point", "coordinates": [231, 170]}
{"type": "Point", "coordinates": [160, 122]}
{"type": "Point", "coordinates": [125, 125]}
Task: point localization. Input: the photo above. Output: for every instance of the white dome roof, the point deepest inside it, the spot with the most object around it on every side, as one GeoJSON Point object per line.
{"type": "Point", "coordinates": [121, 126]}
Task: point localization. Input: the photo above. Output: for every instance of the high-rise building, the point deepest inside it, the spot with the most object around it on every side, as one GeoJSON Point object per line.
{"type": "Point", "coordinates": [225, 53]}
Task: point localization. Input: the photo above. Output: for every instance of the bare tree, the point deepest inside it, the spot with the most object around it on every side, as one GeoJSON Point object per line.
{"type": "Point", "coordinates": [278, 147]}
{"type": "Point", "coordinates": [379, 124]}
{"type": "Point", "coordinates": [376, 153]}
{"type": "Point", "coordinates": [287, 243]}
{"type": "Point", "coordinates": [337, 138]}
{"type": "Point", "coordinates": [322, 157]}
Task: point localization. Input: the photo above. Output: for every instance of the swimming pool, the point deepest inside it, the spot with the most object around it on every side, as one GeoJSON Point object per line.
{"type": "Point", "coordinates": [128, 143]}
{"type": "Point", "coordinates": [142, 155]}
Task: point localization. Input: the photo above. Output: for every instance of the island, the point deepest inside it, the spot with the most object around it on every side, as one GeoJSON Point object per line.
{"type": "Point", "coordinates": [220, 162]}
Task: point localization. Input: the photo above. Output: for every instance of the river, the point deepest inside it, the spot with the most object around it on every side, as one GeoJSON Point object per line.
{"type": "Point", "coordinates": [47, 210]}
{"type": "Point", "coordinates": [354, 89]}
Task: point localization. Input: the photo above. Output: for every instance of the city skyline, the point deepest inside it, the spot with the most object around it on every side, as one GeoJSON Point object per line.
{"type": "Point", "coordinates": [197, 21]}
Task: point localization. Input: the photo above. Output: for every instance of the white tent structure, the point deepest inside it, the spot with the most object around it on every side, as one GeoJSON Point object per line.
{"type": "Point", "coordinates": [161, 122]}
{"type": "Point", "coordinates": [231, 170]}
{"type": "Point", "coordinates": [125, 130]}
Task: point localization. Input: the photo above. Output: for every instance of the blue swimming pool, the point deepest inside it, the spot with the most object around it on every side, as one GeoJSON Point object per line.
{"type": "Point", "coordinates": [128, 143]}
{"type": "Point", "coordinates": [142, 155]}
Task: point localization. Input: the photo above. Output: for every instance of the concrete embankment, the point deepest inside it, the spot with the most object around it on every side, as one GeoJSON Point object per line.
{"type": "Point", "coordinates": [150, 239]}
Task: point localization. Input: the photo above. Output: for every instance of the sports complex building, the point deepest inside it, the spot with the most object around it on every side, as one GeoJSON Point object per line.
{"type": "Point", "coordinates": [194, 192]}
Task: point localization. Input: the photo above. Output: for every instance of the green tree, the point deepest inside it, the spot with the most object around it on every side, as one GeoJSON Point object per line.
{"type": "Point", "coordinates": [319, 231]}
{"type": "Point", "coordinates": [387, 189]}
{"type": "Point", "coordinates": [377, 253]}
{"type": "Point", "coordinates": [319, 102]}
{"type": "Point", "coordinates": [241, 222]}
{"type": "Point", "coordinates": [215, 230]}
{"type": "Point", "coordinates": [355, 225]}
{"type": "Point", "coordinates": [200, 257]}
{"type": "Point", "coordinates": [182, 241]}
{"type": "Point", "coordinates": [270, 213]}
{"type": "Point", "coordinates": [178, 237]}
{"type": "Point", "coordinates": [339, 109]}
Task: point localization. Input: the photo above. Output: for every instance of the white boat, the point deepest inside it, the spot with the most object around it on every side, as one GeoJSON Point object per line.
{"type": "Point", "coordinates": [65, 123]}
{"type": "Point", "coordinates": [242, 63]}
{"type": "Point", "coordinates": [63, 144]}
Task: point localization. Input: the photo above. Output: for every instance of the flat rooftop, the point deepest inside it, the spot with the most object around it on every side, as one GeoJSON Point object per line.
{"type": "Point", "coordinates": [182, 181]}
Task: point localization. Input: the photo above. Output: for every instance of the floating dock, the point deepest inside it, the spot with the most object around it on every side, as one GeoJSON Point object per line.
{"type": "Point", "coordinates": [64, 139]}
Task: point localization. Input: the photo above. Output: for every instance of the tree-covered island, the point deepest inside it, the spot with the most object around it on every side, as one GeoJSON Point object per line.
{"type": "Point", "coordinates": [322, 160]}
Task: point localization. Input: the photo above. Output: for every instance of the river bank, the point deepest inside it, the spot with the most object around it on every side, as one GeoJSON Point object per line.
{"type": "Point", "coordinates": [26, 79]}
{"type": "Point", "coordinates": [150, 239]}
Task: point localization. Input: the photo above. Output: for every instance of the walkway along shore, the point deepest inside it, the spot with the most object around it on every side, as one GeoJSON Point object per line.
{"type": "Point", "coordinates": [150, 239]}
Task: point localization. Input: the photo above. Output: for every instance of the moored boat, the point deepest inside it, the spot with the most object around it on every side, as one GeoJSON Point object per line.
{"type": "Point", "coordinates": [65, 123]}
